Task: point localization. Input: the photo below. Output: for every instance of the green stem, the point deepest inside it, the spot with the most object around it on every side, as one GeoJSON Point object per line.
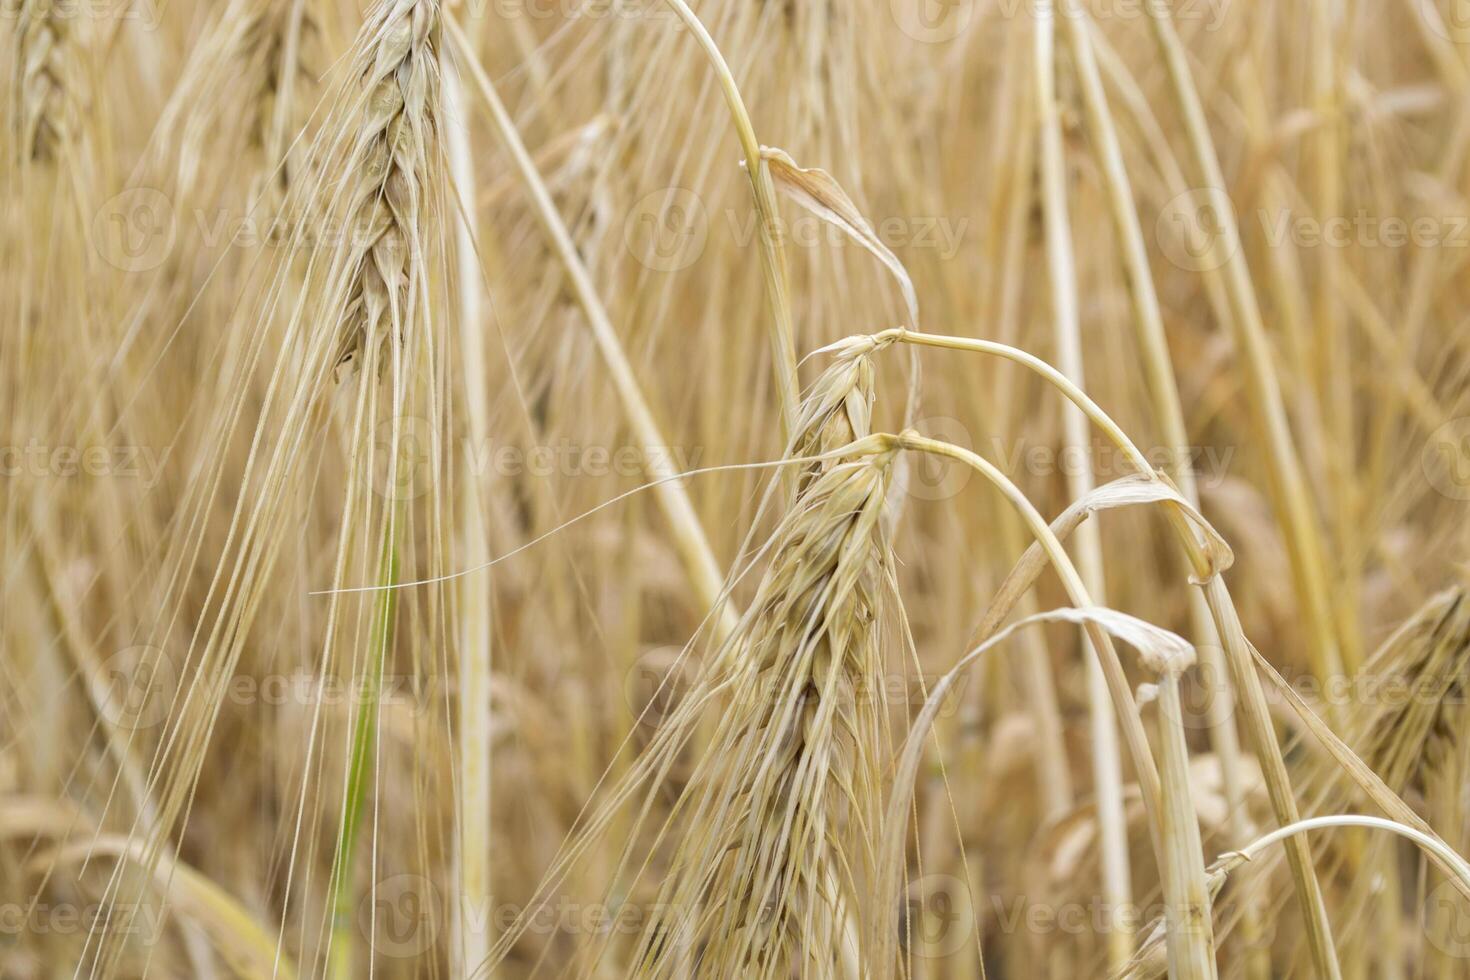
{"type": "Point", "coordinates": [364, 737]}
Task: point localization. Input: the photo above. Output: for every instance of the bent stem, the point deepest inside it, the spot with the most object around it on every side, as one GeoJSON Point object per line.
{"type": "Point", "coordinates": [773, 256]}
{"type": "Point", "coordinates": [1252, 697]}
{"type": "Point", "coordinates": [1447, 856]}
{"type": "Point", "coordinates": [1148, 322]}
{"type": "Point", "coordinates": [1172, 823]}
{"type": "Point", "coordinates": [1112, 666]}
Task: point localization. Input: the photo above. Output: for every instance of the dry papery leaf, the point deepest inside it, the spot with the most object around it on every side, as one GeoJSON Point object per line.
{"type": "Point", "coordinates": [1137, 488]}
{"type": "Point", "coordinates": [819, 193]}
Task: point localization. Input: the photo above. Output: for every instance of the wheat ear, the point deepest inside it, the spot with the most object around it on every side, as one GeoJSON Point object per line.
{"type": "Point", "coordinates": [44, 109]}
{"type": "Point", "coordinates": [767, 880]}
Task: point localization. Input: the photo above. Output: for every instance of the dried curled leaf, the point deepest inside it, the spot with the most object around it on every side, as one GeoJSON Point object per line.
{"type": "Point", "coordinates": [1137, 488]}
{"type": "Point", "coordinates": [820, 194]}
{"type": "Point", "coordinates": [1144, 488]}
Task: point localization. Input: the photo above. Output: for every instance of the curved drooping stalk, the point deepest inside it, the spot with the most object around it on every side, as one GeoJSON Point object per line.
{"type": "Point", "coordinates": [1252, 698]}
{"type": "Point", "coordinates": [1148, 321]}
{"type": "Point", "coordinates": [1172, 822]}
{"type": "Point", "coordinates": [1437, 848]}
{"type": "Point", "coordinates": [773, 257]}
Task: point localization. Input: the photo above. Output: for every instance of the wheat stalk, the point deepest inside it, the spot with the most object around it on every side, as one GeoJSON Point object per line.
{"type": "Point", "coordinates": [1107, 766]}
{"type": "Point", "coordinates": [237, 294]}
{"type": "Point", "coordinates": [1148, 323]}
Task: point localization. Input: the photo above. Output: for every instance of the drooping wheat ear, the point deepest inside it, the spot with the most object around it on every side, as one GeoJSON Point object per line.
{"type": "Point", "coordinates": [1444, 774]}
{"type": "Point", "coordinates": [44, 107]}
{"type": "Point", "coordinates": [1418, 682]}
{"type": "Point", "coordinates": [1409, 725]}
{"type": "Point", "coordinates": [390, 158]}
{"type": "Point", "coordinates": [781, 813]}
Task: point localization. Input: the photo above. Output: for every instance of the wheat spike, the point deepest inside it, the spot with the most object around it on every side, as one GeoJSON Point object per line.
{"type": "Point", "coordinates": [45, 108]}
{"type": "Point", "coordinates": [1421, 672]}
{"type": "Point", "coordinates": [772, 867]}
{"type": "Point", "coordinates": [391, 154]}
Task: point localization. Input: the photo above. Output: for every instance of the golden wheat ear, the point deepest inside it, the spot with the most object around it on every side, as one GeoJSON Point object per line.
{"type": "Point", "coordinates": [45, 111]}
{"type": "Point", "coordinates": [778, 842]}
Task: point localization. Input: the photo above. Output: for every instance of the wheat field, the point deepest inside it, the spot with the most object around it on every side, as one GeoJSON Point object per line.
{"type": "Point", "coordinates": [833, 489]}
